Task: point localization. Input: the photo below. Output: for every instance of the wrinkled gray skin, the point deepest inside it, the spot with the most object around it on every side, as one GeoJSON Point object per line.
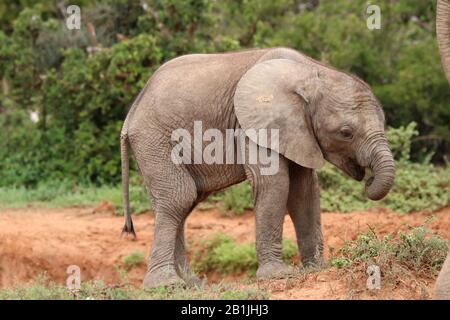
{"type": "Point", "coordinates": [442, 289]}
{"type": "Point", "coordinates": [322, 113]}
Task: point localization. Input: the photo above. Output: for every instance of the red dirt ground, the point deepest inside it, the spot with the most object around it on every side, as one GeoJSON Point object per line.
{"type": "Point", "coordinates": [36, 240]}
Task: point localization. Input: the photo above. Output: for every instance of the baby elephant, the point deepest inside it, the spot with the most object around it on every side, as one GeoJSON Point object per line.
{"type": "Point", "coordinates": [269, 116]}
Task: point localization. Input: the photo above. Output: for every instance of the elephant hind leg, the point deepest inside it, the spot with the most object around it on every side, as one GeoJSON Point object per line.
{"type": "Point", "coordinates": [181, 261]}
{"type": "Point", "coordinates": [174, 195]}
{"type": "Point", "coordinates": [173, 203]}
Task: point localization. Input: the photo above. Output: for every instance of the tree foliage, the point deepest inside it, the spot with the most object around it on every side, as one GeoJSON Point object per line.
{"type": "Point", "coordinates": [81, 82]}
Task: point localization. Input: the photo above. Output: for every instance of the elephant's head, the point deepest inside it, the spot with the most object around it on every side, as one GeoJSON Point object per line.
{"type": "Point", "coordinates": [321, 114]}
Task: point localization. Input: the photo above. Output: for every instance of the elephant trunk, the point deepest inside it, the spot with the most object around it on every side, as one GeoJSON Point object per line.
{"type": "Point", "coordinates": [443, 33]}
{"type": "Point", "coordinates": [379, 159]}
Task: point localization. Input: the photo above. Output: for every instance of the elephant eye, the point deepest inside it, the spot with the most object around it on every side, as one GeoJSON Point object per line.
{"type": "Point", "coordinates": [346, 133]}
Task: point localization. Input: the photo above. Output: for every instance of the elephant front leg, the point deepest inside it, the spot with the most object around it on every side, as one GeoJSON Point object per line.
{"type": "Point", "coordinates": [270, 196]}
{"type": "Point", "coordinates": [304, 209]}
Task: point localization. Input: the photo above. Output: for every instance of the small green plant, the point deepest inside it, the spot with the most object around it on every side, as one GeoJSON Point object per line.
{"type": "Point", "coordinates": [134, 259]}
{"type": "Point", "coordinates": [123, 273]}
{"type": "Point", "coordinates": [235, 199]}
{"type": "Point", "coordinates": [245, 294]}
{"type": "Point", "coordinates": [221, 253]}
{"type": "Point", "coordinates": [341, 262]}
{"type": "Point", "coordinates": [418, 250]}
{"type": "Point", "coordinates": [400, 140]}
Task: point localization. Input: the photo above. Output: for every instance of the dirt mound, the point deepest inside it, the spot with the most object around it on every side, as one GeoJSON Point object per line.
{"type": "Point", "coordinates": [33, 241]}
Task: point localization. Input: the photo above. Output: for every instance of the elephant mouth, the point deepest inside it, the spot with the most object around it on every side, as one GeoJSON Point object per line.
{"type": "Point", "coordinates": [354, 170]}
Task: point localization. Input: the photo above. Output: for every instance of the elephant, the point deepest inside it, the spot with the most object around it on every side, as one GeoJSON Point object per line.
{"type": "Point", "coordinates": [318, 112]}
{"type": "Point", "coordinates": [442, 288]}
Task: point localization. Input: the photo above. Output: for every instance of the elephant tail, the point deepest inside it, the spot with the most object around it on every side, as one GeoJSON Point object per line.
{"type": "Point", "coordinates": [125, 164]}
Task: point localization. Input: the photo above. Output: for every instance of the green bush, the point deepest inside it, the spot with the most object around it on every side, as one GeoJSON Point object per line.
{"type": "Point", "coordinates": [418, 250]}
{"type": "Point", "coordinates": [81, 96]}
{"type": "Point", "coordinates": [80, 140]}
{"type": "Point", "coordinates": [134, 259]}
{"type": "Point", "coordinates": [234, 199]}
{"type": "Point", "coordinates": [221, 253]}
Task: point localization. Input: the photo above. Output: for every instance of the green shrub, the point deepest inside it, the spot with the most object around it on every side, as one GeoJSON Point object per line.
{"type": "Point", "coordinates": [221, 253]}
{"type": "Point", "coordinates": [134, 259]}
{"type": "Point", "coordinates": [400, 140]}
{"type": "Point", "coordinates": [419, 187]}
{"type": "Point", "coordinates": [82, 98]}
{"type": "Point", "coordinates": [234, 199]}
{"type": "Point", "coordinates": [418, 250]}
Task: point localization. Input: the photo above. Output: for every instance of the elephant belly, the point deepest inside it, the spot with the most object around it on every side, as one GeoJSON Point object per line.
{"type": "Point", "coordinates": [215, 177]}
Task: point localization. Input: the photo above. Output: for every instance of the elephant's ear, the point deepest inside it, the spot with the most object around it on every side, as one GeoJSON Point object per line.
{"type": "Point", "coordinates": [275, 94]}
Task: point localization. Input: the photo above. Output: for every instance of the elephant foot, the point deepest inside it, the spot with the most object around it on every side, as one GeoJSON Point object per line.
{"type": "Point", "coordinates": [193, 281]}
{"type": "Point", "coordinates": [188, 276]}
{"type": "Point", "coordinates": [311, 253]}
{"type": "Point", "coordinates": [163, 277]}
{"type": "Point", "coordinates": [274, 270]}
{"type": "Point", "coordinates": [313, 262]}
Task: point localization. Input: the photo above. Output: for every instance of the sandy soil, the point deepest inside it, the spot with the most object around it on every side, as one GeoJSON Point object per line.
{"type": "Point", "coordinates": [33, 241]}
